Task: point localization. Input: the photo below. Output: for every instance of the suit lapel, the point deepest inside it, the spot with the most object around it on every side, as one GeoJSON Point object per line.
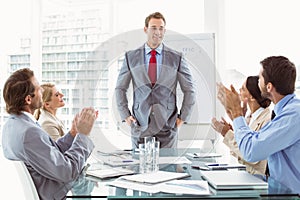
{"type": "Point", "coordinates": [137, 66]}
{"type": "Point", "coordinates": [165, 64]}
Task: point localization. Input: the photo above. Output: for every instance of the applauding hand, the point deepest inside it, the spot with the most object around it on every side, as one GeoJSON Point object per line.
{"type": "Point", "coordinates": [85, 120]}
{"type": "Point", "coordinates": [230, 100]}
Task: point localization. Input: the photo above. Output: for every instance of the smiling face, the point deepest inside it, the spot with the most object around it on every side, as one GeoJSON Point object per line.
{"type": "Point", "coordinates": [56, 99]}
{"type": "Point", "coordinates": [155, 32]}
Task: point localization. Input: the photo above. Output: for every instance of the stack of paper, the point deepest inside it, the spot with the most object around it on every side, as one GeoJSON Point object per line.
{"type": "Point", "coordinates": [174, 160]}
{"type": "Point", "coordinates": [195, 187]}
{"type": "Point", "coordinates": [155, 177]}
{"type": "Point", "coordinates": [144, 183]}
{"type": "Point", "coordinates": [116, 159]}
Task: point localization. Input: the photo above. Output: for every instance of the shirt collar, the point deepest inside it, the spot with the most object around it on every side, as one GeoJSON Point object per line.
{"type": "Point", "coordinates": [30, 116]}
{"type": "Point", "coordinates": [158, 49]}
{"type": "Point", "coordinates": [280, 104]}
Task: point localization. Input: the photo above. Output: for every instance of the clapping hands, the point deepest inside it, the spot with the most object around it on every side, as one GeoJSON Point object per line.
{"type": "Point", "coordinates": [230, 99]}
{"type": "Point", "coordinates": [83, 122]}
{"type": "Point", "coordinates": [221, 126]}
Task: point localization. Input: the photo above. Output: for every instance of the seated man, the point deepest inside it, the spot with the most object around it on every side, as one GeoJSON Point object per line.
{"type": "Point", "coordinates": [52, 165]}
{"type": "Point", "coordinates": [279, 140]}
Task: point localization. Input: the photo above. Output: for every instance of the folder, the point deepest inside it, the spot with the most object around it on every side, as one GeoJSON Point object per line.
{"type": "Point", "coordinates": [109, 173]}
{"type": "Point", "coordinates": [233, 179]}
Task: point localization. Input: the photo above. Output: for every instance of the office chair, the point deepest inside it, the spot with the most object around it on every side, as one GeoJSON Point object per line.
{"type": "Point", "coordinates": [29, 189]}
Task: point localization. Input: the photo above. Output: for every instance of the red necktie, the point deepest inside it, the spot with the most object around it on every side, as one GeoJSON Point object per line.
{"type": "Point", "coordinates": [152, 67]}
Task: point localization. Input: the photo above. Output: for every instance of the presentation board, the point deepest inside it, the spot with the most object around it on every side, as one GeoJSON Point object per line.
{"type": "Point", "coordinates": [199, 50]}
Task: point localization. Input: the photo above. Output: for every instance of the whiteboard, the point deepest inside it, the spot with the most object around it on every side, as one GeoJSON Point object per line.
{"type": "Point", "coordinates": [199, 50]}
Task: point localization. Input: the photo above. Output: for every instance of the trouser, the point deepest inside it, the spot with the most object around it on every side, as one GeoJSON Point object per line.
{"type": "Point", "coordinates": [167, 138]}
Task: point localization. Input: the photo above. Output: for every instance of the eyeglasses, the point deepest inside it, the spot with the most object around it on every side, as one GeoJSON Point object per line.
{"type": "Point", "coordinates": [154, 29]}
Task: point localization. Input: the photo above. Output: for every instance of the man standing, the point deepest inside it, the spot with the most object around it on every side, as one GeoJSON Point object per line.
{"type": "Point", "coordinates": [154, 70]}
{"type": "Point", "coordinates": [279, 140]}
{"type": "Point", "coordinates": [52, 165]}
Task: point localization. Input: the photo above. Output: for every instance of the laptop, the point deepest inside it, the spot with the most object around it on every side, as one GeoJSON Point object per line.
{"type": "Point", "coordinates": [233, 179]}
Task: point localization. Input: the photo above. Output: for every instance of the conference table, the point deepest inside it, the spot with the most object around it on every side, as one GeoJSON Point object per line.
{"type": "Point", "coordinates": [91, 187]}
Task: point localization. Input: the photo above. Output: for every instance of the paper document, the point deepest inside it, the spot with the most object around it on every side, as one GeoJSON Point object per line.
{"type": "Point", "coordinates": [174, 160]}
{"type": "Point", "coordinates": [116, 160]}
{"type": "Point", "coordinates": [109, 173]}
{"type": "Point", "coordinates": [195, 187]}
{"type": "Point", "coordinates": [203, 155]}
{"type": "Point", "coordinates": [116, 152]}
{"type": "Point", "coordinates": [155, 177]}
{"type": "Point", "coordinates": [122, 183]}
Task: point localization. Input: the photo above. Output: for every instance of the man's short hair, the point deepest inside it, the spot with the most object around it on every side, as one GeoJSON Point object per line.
{"type": "Point", "coordinates": [156, 15]}
{"type": "Point", "coordinates": [16, 88]}
{"type": "Point", "coordinates": [281, 72]}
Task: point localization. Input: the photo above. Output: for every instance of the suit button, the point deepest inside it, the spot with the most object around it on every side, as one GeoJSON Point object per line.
{"type": "Point", "coordinates": [152, 113]}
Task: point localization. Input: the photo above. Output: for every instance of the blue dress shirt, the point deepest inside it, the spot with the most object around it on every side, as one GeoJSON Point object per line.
{"type": "Point", "coordinates": [158, 58]}
{"type": "Point", "coordinates": [278, 141]}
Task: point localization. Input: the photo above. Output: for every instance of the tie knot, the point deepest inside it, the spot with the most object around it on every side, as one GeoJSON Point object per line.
{"type": "Point", "coordinates": [153, 52]}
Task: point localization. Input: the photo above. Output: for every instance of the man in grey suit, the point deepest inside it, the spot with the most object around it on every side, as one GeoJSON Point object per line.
{"type": "Point", "coordinates": [154, 110]}
{"type": "Point", "coordinates": [52, 165]}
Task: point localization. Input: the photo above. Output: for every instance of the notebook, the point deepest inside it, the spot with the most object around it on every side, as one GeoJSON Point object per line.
{"type": "Point", "coordinates": [116, 159]}
{"type": "Point", "coordinates": [155, 177]}
{"type": "Point", "coordinates": [109, 173]}
{"type": "Point", "coordinates": [233, 179]}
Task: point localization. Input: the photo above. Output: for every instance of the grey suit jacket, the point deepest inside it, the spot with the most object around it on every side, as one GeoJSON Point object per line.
{"type": "Point", "coordinates": [252, 167]}
{"type": "Point", "coordinates": [159, 100]}
{"type": "Point", "coordinates": [53, 166]}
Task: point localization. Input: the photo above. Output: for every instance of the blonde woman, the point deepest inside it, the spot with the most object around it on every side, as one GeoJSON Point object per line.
{"type": "Point", "coordinates": [46, 116]}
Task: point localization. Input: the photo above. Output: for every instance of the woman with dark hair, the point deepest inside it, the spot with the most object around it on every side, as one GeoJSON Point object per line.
{"type": "Point", "coordinates": [258, 116]}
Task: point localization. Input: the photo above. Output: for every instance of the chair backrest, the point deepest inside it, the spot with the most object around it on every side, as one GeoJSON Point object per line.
{"type": "Point", "coordinates": [29, 188]}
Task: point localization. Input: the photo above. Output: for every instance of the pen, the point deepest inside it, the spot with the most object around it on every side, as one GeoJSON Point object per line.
{"type": "Point", "coordinates": [125, 161]}
{"type": "Point", "coordinates": [216, 164]}
{"type": "Point", "coordinates": [122, 161]}
{"type": "Point", "coordinates": [200, 167]}
{"type": "Point", "coordinates": [128, 149]}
